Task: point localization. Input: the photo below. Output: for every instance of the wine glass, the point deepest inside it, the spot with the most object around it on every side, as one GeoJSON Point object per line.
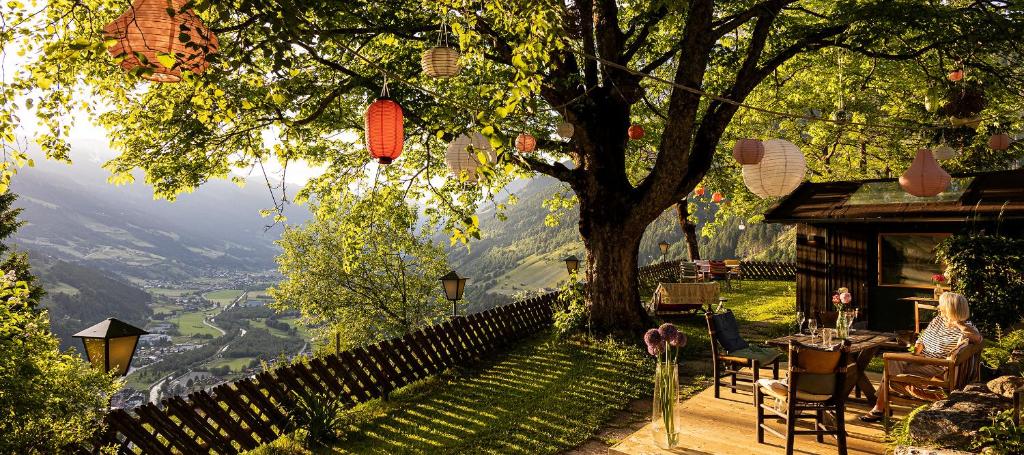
{"type": "Point", "coordinates": [813, 325]}
{"type": "Point", "coordinates": [800, 319]}
{"type": "Point", "coordinates": [850, 317]}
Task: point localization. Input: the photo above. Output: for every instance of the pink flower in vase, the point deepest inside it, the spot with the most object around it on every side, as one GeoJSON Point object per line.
{"type": "Point", "coordinates": [846, 298]}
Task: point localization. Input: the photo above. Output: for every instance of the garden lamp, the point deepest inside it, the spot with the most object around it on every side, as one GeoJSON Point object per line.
{"type": "Point", "coordinates": [111, 344]}
{"type": "Point", "coordinates": [664, 247]}
{"type": "Point", "coordinates": [572, 264]}
{"type": "Point", "coordinates": [454, 286]}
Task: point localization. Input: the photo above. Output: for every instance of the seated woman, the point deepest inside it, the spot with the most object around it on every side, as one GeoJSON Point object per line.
{"type": "Point", "coordinates": [947, 331]}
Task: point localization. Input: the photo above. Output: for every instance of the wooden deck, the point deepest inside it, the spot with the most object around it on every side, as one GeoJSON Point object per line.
{"type": "Point", "coordinates": [726, 426]}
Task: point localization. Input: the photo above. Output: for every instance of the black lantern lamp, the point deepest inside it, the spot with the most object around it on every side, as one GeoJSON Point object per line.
{"type": "Point", "coordinates": [664, 247]}
{"type": "Point", "coordinates": [572, 264]}
{"type": "Point", "coordinates": [111, 344]}
{"type": "Point", "coordinates": [454, 286]}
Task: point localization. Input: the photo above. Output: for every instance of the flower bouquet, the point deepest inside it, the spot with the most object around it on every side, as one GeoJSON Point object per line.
{"type": "Point", "coordinates": [844, 319]}
{"type": "Point", "coordinates": [939, 279]}
{"type": "Point", "coordinates": [664, 343]}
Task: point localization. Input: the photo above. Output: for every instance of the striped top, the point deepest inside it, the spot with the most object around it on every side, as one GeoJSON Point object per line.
{"type": "Point", "coordinates": [939, 340]}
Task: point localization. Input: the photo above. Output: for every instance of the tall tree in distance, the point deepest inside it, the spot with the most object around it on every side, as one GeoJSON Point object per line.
{"type": "Point", "coordinates": [304, 71]}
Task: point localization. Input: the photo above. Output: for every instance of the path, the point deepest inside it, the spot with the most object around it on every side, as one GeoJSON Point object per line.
{"type": "Point", "coordinates": [154, 390]}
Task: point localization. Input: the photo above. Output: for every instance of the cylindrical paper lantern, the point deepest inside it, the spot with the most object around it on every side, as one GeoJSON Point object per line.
{"type": "Point", "coordinates": [944, 152]}
{"type": "Point", "coordinates": [999, 141]}
{"type": "Point", "coordinates": [462, 154]}
{"type": "Point", "coordinates": [956, 75]}
{"type": "Point", "coordinates": [441, 61]}
{"type": "Point", "coordinates": [717, 197]}
{"type": "Point", "coordinates": [779, 172]}
{"type": "Point", "coordinates": [636, 132]}
{"type": "Point", "coordinates": [385, 133]}
{"type": "Point", "coordinates": [924, 177]}
{"type": "Point", "coordinates": [158, 44]}
{"type": "Point", "coordinates": [748, 151]}
{"type": "Point", "coordinates": [699, 191]}
{"type": "Point", "coordinates": [526, 143]}
{"type": "Point", "coordinates": [565, 130]}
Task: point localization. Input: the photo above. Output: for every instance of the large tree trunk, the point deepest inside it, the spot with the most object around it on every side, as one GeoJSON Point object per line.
{"type": "Point", "coordinates": [613, 286]}
{"type": "Point", "coordinates": [689, 229]}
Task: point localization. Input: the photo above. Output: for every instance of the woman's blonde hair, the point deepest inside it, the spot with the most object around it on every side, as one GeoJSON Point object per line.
{"type": "Point", "coordinates": [954, 307]}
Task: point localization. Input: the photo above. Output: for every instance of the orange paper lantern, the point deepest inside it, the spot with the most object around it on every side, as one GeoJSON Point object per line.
{"type": "Point", "coordinates": [956, 75]}
{"type": "Point", "coordinates": [159, 39]}
{"type": "Point", "coordinates": [636, 132]}
{"type": "Point", "coordinates": [526, 143]}
{"type": "Point", "coordinates": [699, 191]}
{"type": "Point", "coordinates": [748, 151]}
{"type": "Point", "coordinates": [385, 133]}
{"type": "Point", "coordinates": [924, 177]}
{"type": "Point", "coordinates": [717, 197]}
{"type": "Point", "coordinates": [999, 141]}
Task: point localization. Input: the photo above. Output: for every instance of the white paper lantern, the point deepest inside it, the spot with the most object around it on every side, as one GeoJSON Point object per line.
{"type": "Point", "coordinates": [565, 130]}
{"type": "Point", "coordinates": [780, 171]}
{"type": "Point", "coordinates": [944, 152]}
{"type": "Point", "coordinates": [441, 61]}
{"type": "Point", "coordinates": [462, 154]}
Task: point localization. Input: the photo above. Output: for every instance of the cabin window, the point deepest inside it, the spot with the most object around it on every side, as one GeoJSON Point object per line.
{"type": "Point", "coordinates": [908, 260]}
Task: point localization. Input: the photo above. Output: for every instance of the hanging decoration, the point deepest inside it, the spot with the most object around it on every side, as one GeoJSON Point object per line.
{"type": "Point", "coordinates": [636, 132]}
{"type": "Point", "coordinates": [526, 143]}
{"type": "Point", "coordinates": [717, 197]}
{"type": "Point", "coordinates": [779, 172]}
{"type": "Point", "coordinates": [385, 133]}
{"type": "Point", "coordinates": [158, 39]}
{"type": "Point", "coordinates": [943, 152]}
{"type": "Point", "coordinates": [1000, 141]}
{"type": "Point", "coordinates": [932, 99]}
{"type": "Point", "coordinates": [924, 177]}
{"type": "Point", "coordinates": [565, 130]}
{"type": "Point", "coordinates": [442, 60]}
{"type": "Point", "coordinates": [956, 75]}
{"type": "Point", "coordinates": [748, 151]}
{"type": "Point", "coordinates": [699, 191]}
{"type": "Point", "coordinates": [463, 155]}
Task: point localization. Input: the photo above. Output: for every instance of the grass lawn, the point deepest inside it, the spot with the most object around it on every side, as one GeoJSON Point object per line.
{"type": "Point", "coordinates": [171, 292]}
{"type": "Point", "coordinates": [223, 296]}
{"type": "Point", "coordinates": [191, 324]}
{"type": "Point", "coordinates": [233, 364]}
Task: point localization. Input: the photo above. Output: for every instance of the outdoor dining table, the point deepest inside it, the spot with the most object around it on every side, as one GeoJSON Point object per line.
{"type": "Point", "coordinates": [864, 344]}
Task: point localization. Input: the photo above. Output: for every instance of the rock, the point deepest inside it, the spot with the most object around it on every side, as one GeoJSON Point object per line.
{"type": "Point", "coordinates": [1006, 386]}
{"type": "Point", "coordinates": [954, 422]}
{"type": "Point", "coordinates": [908, 450]}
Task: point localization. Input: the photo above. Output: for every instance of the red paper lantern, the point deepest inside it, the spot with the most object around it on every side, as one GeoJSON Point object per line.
{"type": "Point", "coordinates": [385, 133]}
{"type": "Point", "coordinates": [526, 143]}
{"type": "Point", "coordinates": [161, 39]}
{"type": "Point", "coordinates": [636, 132]}
{"type": "Point", "coordinates": [717, 197]}
{"type": "Point", "coordinates": [956, 75]}
{"type": "Point", "coordinates": [924, 177]}
{"type": "Point", "coordinates": [699, 191]}
{"type": "Point", "coordinates": [999, 141]}
{"type": "Point", "coordinates": [748, 151]}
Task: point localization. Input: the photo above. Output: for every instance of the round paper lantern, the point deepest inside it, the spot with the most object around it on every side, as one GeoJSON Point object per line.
{"type": "Point", "coordinates": [526, 143]}
{"type": "Point", "coordinates": [160, 45]}
{"type": "Point", "coordinates": [717, 197]}
{"type": "Point", "coordinates": [956, 75]}
{"type": "Point", "coordinates": [748, 151]}
{"type": "Point", "coordinates": [565, 130]}
{"type": "Point", "coordinates": [385, 133]}
{"type": "Point", "coordinates": [462, 154]}
{"type": "Point", "coordinates": [699, 191]}
{"type": "Point", "coordinates": [779, 172]}
{"type": "Point", "coordinates": [924, 177]}
{"type": "Point", "coordinates": [944, 152]}
{"type": "Point", "coordinates": [441, 61]}
{"type": "Point", "coordinates": [999, 141]}
{"type": "Point", "coordinates": [636, 132]}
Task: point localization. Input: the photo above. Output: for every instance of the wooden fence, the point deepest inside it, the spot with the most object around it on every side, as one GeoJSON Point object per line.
{"type": "Point", "coordinates": [245, 414]}
{"type": "Point", "coordinates": [778, 271]}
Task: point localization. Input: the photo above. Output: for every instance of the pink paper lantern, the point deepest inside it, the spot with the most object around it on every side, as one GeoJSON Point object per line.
{"type": "Point", "coordinates": [924, 177]}
{"type": "Point", "coordinates": [748, 151]}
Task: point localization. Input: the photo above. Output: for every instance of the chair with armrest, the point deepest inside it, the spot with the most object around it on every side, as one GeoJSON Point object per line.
{"type": "Point", "coordinates": [719, 272]}
{"type": "Point", "coordinates": [817, 381]}
{"type": "Point", "coordinates": [961, 367]}
{"type": "Point", "coordinates": [735, 270]}
{"type": "Point", "coordinates": [730, 353]}
{"type": "Point", "coordinates": [688, 272]}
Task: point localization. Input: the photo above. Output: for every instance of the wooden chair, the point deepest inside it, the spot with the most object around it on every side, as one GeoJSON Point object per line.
{"type": "Point", "coordinates": [719, 272]}
{"type": "Point", "coordinates": [730, 353]}
{"type": "Point", "coordinates": [816, 382]}
{"type": "Point", "coordinates": [962, 367]}
{"type": "Point", "coordinates": [688, 272]}
{"type": "Point", "coordinates": [703, 268]}
{"type": "Point", "coordinates": [918, 306]}
{"type": "Point", "coordinates": [735, 270]}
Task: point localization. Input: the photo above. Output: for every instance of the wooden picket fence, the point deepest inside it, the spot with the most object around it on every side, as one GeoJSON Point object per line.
{"type": "Point", "coordinates": [245, 414]}
{"type": "Point", "coordinates": [659, 272]}
{"type": "Point", "coordinates": [776, 271]}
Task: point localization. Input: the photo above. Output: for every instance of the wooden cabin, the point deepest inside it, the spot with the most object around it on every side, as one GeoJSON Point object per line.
{"type": "Point", "coordinates": [875, 239]}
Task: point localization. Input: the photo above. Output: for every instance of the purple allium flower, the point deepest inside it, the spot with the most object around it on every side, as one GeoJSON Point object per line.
{"type": "Point", "coordinates": [655, 349]}
{"type": "Point", "coordinates": [680, 340]}
{"type": "Point", "coordinates": [653, 338]}
{"type": "Point", "coordinates": [668, 332]}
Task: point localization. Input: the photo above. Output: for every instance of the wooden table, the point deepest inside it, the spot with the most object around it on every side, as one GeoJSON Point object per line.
{"type": "Point", "coordinates": [926, 303]}
{"type": "Point", "coordinates": [864, 344]}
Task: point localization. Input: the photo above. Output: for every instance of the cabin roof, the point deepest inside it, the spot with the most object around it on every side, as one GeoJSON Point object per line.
{"type": "Point", "coordinates": [981, 196]}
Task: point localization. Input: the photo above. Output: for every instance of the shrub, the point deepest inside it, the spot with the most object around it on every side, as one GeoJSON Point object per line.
{"type": "Point", "coordinates": [989, 271]}
{"type": "Point", "coordinates": [317, 419]}
{"type": "Point", "coordinates": [998, 355]}
{"type": "Point", "coordinates": [571, 314]}
{"type": "Point", "coordinates": [1003, 437]}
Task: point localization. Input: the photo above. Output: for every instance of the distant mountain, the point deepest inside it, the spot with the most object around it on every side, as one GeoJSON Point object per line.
{"type": "Point", "coordinates": [73, 214]}
{"type": "Point", "coordinates": [522, 255]}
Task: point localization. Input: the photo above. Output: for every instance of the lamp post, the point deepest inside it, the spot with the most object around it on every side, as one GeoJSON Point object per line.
{"type": "Point", "coordinates": [454, 286]}
{"type": "Point", "coordinates": [663, 246]}
{"type": "Point", "coordinates": [572, 264]}
{"type": "Point", "coordinates": [111, 344]}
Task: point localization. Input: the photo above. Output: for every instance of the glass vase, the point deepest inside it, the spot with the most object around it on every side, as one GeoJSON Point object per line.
{"type": "Point", "coordinates": [841, 326]}
{"type": "Point", "coordinates": [938, 291]}
{"type": "Point", "coordinates": [666, 419]}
